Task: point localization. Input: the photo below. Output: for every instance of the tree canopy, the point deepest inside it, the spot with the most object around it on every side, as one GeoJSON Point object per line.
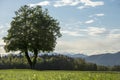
{"type": "Point", "coordinates": [32, 30]}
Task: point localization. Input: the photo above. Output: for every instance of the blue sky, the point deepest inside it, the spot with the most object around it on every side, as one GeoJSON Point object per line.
{"type": "Point", "coordinates": [87, 26]}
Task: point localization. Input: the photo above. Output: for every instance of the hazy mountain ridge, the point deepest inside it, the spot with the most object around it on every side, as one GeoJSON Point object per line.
{"type": "Point", "coordinates": [107, 59]}
{"type": "Point", "coordinates": [78, 55]}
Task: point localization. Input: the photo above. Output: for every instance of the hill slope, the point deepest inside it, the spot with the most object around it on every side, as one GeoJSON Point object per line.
{"type": "Point", "coordinates": [105, 59]}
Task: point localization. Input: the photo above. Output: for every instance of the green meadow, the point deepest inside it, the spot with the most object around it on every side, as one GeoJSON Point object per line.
{"type": "Point", "coordinates": [25, 74]}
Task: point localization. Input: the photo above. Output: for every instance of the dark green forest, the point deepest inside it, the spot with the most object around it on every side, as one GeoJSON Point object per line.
{"type": "Point", "coordinates": [52, 62]}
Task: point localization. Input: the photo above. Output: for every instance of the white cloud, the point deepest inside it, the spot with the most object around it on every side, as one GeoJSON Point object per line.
{"type": "Point", "coordinates": [88, 46]}
{"type": "Point", "coordinates": [115, 31]}
{"type": "Point", "coordinates": [92, 4]}
{"type": "Point", "coordinates": [89, 3]}
{"type": "Point", "coordinates": [97, 15]}
{"type": "Point", "coordinates": [92, 44]}
{"type": "Point", "coordinates": [61, 3]}
{"type": "Point", "coordinates": [95, 31]}
{"type": "Point", "coordinates": [43, 3]}
{"type": "Point", "coordinates": [81, 7]}
{"type": "Point", "coordinates": [91, 31]}
{"type": "Point", "coordinates": [2, 51]}
{"type": "Point", "coordinates": [71, 33]}
{"type": "Point", "coordinates": [84, 3]}
{"type": "Point", "coordinates": [101, 14]}
{"type": "Point", "coordinates": [89, 21]}
{"type": "Point", "coordinates": [84, 32]}
{"type": "Point", "coordinates": [97, 39]}
{"type": "Point", "coordinates": [3, 30]}
{"type": "Point", "coordinates": [1, 42]}
{"type": "Point", "coordinates": [114, 34]}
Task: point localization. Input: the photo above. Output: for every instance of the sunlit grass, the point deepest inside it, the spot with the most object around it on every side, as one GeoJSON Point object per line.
{"type": "Point", "coordinates": [57, 75]}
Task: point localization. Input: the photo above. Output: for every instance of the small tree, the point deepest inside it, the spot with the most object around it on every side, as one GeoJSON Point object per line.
{"type": "Point", "coordinates": [32, 30]}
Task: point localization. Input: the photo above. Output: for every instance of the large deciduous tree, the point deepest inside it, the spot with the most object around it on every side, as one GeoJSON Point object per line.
{"type": "Point", "coordinates": [32, 30]}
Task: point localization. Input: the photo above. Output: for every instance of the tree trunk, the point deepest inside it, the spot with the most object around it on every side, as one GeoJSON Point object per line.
{"type": "Point", "coordinates": [32, 63]}
{"type": "Point", "coordinates": [35, 58]}
{"type": "Point", "coordinates": [28, 59]}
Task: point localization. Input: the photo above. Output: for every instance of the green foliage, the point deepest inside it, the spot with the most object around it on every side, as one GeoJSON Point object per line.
{"type": "Point", "coordinates": [57, 75]}
{"type": "Point", "coordinates": [32, 30]}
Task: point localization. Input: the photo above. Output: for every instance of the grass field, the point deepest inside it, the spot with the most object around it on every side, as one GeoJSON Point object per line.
{"type": "Point", "coordinates": [22, 74]}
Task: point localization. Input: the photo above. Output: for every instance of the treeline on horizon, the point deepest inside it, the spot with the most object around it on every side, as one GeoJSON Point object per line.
{"type": "Point", "coordinates": [53, 62]}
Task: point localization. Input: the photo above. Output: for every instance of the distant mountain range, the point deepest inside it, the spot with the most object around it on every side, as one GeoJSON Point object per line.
{"type": "Point", "coordinates": [108, 59]}
{"type": "Point", "coordinates": [76, 55]}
